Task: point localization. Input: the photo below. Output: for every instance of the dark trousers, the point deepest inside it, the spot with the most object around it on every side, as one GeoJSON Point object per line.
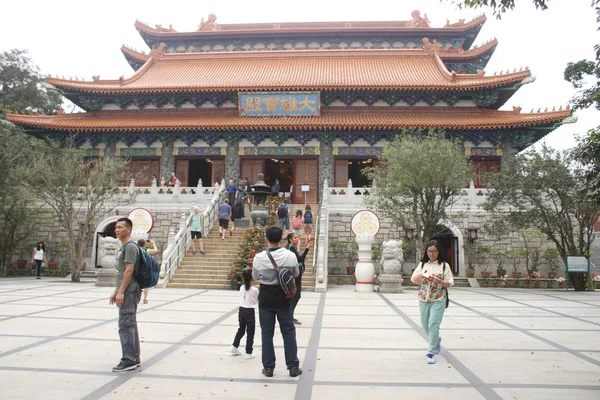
{"type": "Point", "coordinates": [288, 331]}
{"type": "Point", "coordinates": [298, 294]}
{"type": "Point", "coordinates": [38, 267]}
{"type": "Point", "coordinates": [128, 329]}
{"type": "Point", "coordinates": [247, 322]}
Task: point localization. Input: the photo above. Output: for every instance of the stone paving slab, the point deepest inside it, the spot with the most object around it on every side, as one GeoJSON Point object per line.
{"type": "Point", "coordinates": [59, 341]}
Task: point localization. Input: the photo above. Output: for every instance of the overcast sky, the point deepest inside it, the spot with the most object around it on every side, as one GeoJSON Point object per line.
{"type": "Point", "coordinates": [75, 38]}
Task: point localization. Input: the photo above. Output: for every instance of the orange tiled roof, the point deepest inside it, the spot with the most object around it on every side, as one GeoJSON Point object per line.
{"type": "Point", "coordinates": [313, 27]}
{"type": "Point", "coordinates": [363, 119]}
{"type": "Point", "coordinates": [292, 70]}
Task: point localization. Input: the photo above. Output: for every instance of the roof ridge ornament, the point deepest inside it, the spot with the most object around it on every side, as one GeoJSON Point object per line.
{"type": "Point", "coordinates": [517, 110]}
{"type": "Point", "coordinates": [158, 51]}
{"type": "Point", "coordinates": [418, 21]}
{"type": "Point", "coordinates": [431, 47]}
{"type": "Point", "coordinates": [209, 25]}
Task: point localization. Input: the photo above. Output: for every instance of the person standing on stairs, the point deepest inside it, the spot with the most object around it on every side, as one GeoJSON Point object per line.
{"type": "Point", "coordinates": [195, 223]}
{"type": "Point", "coordinates": [224, 214]}
{"type": "Point", "coordinates": [152, 250]}
{"type": "Point", "coordinates": [293, 241]}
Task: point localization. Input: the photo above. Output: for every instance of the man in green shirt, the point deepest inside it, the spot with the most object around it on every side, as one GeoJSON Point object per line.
{"type": "Point", "coordinates": [127, 296]}
{"type": "Point", "coordinates": [195, 223]}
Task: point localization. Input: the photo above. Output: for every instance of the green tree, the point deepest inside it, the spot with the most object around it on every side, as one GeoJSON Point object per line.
{"type": "Point", "coordinates": [21, 86]}
{"type": "Point", "coordinates": [79, 193]}
{"type": "Point", "coordinates": [19, 216]}
{"type": "Point", "coordinates": [583, 75]}
{"type": "Point", "coordinates": [544, 190]}
{"type": "Point", "coordinates": [418, 181]}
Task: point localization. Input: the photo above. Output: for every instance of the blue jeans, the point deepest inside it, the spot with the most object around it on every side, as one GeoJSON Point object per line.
{"type": "Point", "coordinates": [431, 318]}
{"type": "Point", "coordinates": [284, 224]}
{"type": "Point", "coordinates": [288, 331]}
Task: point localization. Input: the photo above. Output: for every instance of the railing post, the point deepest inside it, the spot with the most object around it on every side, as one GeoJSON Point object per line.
{"type": "Point", "coordinates": [154, 188]}
{"type": "Point", "coordinates": [132, 186]}
{"type": "Point", "coordinates": [349, 191]}
{"type": "Point", "coordinates": [182, 222]}
{"type": "Point", "coordinates": [176, 190]}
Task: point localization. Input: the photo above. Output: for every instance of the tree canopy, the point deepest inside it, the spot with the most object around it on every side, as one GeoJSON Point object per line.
{"type": "Point", "coordinates": [21, 86]}
{"type": "Point", "coordinates": [499, 7]}
{"type": "Point", "coordinates": [545, 190]}
{"type": "Point", "coordinates": [417, 180]}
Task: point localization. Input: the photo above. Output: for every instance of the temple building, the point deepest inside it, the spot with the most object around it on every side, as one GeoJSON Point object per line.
{"type": "Point", "coordinates": [300, 102]}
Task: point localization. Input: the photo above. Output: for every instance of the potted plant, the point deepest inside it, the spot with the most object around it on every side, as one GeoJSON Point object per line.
{"type": "Point", "coordinates": [499, 254]}
{"type": "Point", "coordinates": [338, 250]}
{"type": "Point", "coordinates": [552, 257]}
{"type": "Point", "coordinates": [486, 277]}
{"type": "Point", "coordinates": [561, 282]}
{"type": "Point", "coordinates": [596, 281]}
{"type": "Point", "coordinates": [534, 279]}
{"type": "Point", "coordinates": [351, 256]}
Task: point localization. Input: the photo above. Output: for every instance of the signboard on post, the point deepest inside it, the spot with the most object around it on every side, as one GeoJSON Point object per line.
{"type": "Point", "coordinates": [579, 264]}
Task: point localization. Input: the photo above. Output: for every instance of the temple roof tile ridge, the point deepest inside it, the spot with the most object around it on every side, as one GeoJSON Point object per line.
{"type": "Point", "coordinates": [347, 26]}
{"type": "Point", "coordinates": [286, 70]}
{"type": "Point", "coordinates": [365, 119]}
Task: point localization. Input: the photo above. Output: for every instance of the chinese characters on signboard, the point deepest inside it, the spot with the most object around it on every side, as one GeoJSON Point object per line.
{"type": "Point", "coordinates": [279, 104]}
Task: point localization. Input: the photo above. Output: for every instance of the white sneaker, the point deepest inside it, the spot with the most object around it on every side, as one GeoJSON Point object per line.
{"type": "Point", "coordinates": [430, 359]}
{"type": "Point", "coordinates": [234, 350]}
{"type": "Point", "coordinates": [249, 356]}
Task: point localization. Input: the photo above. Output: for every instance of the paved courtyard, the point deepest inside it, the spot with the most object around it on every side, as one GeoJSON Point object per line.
{"type": "Point", "coordinates": [59, 341]}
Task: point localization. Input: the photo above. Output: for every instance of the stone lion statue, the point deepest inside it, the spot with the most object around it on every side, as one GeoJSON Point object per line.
{"type": "Point", "coordinates": [392, 257]}
{"type": "Point", "coordinates": [107, 251]}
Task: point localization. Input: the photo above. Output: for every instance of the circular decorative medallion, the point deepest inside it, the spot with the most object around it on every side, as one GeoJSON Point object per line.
{"type": "Point", "coordinates": [365, 223]}
{"type": "Point", "coordinates": [143, 220]}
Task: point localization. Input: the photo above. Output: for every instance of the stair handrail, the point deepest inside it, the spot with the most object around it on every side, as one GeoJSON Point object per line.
{"type": "Point", "coordinates": [210, 213]}
{"type": "Point", "coordinates": [177, 246]}
{"type": "Point", "coordinates": [322, 242]}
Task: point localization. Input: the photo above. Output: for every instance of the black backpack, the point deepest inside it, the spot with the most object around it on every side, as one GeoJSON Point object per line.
{"type": "Point", "coordinates": [308, 217]}
{"type": "Point", "coordinates": [147, 270]}
{"type": "Point", "coordinates": [282, 211]}
{"type": "Point", "coordinates": [285, 277]}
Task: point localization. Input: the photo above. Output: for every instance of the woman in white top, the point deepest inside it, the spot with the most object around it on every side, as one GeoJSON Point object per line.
{"type": "Point", "coordinates": [434, 277]}
{"type": "Point", "coordinates": [38, 257]}
{"type": "Point", "coordinates": [246, 317]}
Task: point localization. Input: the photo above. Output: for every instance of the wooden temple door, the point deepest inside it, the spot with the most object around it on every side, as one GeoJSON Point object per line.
{"type": "Point", "coordinates": [218, 171]}
{"type": "Point", "coordinates": [306, 172]}
{"type": "Point", "coordinates": [251, 169]}
{"type": "Point", "coordinates": [340, 173]}
{"type": "Point", "coordinates": [182, 168]}
{"type": "Point", "coordinates": [141, 171]}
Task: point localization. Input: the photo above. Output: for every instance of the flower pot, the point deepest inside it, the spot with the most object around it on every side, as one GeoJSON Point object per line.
{"type": "Point", "coordinates": [500, 272]}
{"type": "Point", "coordinates": [350, 270]}
{"type": "Point", "coordinates": [235, 286]}
{"type": "Point", "coordinates": [550, 285]}
{"type": "Point", "coordinates": [470, 272]}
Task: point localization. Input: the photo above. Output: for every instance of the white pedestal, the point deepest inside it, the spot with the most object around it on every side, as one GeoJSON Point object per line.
{"type": "Point", "coordinates": [365, 270]}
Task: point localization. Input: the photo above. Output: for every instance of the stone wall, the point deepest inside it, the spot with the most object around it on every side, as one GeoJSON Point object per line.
{"type": "Point", "coordinates": [52, 235]}
{"type": "Point", "coordinates": [339, 229]}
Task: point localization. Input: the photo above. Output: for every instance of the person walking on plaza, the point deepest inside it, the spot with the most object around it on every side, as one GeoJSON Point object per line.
{"type": "Point", "coordinates": [38, 257]}
{"type": "Point", "coordinates": [152, 250]}
{"type": "Point", "coordinates": [127, 296]}
{"type": "Point", "coordinates": [224, 214]}
{"type": "Point", "coordinates": [272, 303]}
{"type": "Point", "coordinates": [246, 315]}
{"type": "Point", "coordinates": [195, 223]}
{"type": "Point", "coordinates": [293, 240]}
{"type": "Point", "coordinates": [434, 277]}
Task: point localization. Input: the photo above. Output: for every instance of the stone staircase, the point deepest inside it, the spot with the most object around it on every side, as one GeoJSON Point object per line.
{"type": "Point", "coordinates": [461, 281]}
{"type": "Point", "coordinates": [210, 271]}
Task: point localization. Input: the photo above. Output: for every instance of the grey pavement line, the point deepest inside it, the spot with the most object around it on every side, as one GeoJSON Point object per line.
{"type": "Point", "coordinates": [544, 309]}
{"type": "Point", "coordinates": [305, 383]}
{"type": "Point", "coordinates": [316, 383]}
{"type": "Point", "coordinates": [43, 311]}
{"type": "Point", "coordinates": [485, 390]}
{"type": "Point", "coordinates": [120, 380]}
{"type": "Point", "coordinates": [533, 335]}
{"type": "Point", "coordinates": [43, 296]}
{"type": "Point", "coordinates": [30, 288]}
{"type": "Point", "coordinates": [574, 301]}
{"type": "Point", "coordinates": [80, 330]}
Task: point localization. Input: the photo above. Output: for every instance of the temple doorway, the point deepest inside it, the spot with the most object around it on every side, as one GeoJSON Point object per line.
{"type": "Point", "coordinates": [450, 245]}
{"type": "Point", "coordinates": [282, 169]}
{"type": "Point", "coordinates": [190, 170]}
{"type": "Point", "coordinates": [351, 169]}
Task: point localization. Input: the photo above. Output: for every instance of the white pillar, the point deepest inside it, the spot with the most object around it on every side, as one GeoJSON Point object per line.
{"type": "Point", "coordinates": [365, 270]}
